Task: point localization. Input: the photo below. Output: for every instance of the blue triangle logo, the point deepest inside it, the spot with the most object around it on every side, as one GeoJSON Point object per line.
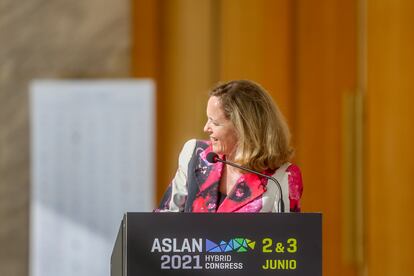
{"type": "Point", "coordinates": [210, 245]}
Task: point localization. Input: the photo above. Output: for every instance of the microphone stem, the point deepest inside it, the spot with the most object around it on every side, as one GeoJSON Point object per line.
{"type": "Point", "coordinates": [281, 205]}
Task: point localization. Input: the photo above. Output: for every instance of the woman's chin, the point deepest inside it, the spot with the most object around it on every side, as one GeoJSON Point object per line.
{"type": "Point", "coordinates": [217, 149]}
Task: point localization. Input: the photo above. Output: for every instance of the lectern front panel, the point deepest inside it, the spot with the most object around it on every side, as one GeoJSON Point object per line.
{"type": "Point", "coordinates": [223, 244]}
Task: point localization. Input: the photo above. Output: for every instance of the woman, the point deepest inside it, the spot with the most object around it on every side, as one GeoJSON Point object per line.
{"type": "Point", "coordinates": [245, 127]}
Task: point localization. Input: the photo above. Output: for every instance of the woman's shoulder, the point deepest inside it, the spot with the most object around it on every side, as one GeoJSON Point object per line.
{"type": "Point", "coordinates": [192, 147]}
{"type": "Point", "coordinates": [295, 181]}
{"type": "Point", "coordinates": [288, 168]}
{"type": "Point", "coordinates": [294, 178]}
{"type": "Point", "coordinates": [192, 143]}
{"type": "Point", "coordinates": [196, 143]}
{"type": "Point", "coordinates": [293, 169]}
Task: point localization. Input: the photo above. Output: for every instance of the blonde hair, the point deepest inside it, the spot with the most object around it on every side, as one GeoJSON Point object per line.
{"type": "Point", "coordinates": [264, 137]}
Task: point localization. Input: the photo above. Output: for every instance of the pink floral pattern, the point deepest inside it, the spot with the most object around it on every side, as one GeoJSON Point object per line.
{"type": "Point", "coordinates": [247, 195]}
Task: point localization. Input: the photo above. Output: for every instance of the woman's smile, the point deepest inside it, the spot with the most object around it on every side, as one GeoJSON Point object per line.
{"type": "Point", "coordinates": [222, 133]}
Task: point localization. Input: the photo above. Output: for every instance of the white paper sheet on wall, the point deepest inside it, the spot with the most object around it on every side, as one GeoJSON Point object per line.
{"type": "Point", "coordinates": [92, 145]}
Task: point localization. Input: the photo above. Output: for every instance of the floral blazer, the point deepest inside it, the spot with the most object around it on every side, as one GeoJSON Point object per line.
{"type": "Point", "coordinates": [195, 187]}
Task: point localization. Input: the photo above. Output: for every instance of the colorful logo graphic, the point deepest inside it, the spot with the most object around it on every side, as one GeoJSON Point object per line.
{"type": "Point", "coordinates": [234, 245]}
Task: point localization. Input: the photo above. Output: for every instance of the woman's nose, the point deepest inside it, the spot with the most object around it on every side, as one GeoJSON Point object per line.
{"type": "Point", "coordinates": [206, 127]}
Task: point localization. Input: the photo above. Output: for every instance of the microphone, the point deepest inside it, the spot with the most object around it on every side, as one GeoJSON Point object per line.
{"type": "Point", "coordinates": [213, 157]}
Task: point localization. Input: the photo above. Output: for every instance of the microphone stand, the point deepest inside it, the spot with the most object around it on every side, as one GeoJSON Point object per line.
{"type": "Point", "coordinates": [280, 203]}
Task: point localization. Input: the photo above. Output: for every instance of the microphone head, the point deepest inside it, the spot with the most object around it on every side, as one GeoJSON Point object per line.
{"type": "Point", "coordinates": [212, 157]}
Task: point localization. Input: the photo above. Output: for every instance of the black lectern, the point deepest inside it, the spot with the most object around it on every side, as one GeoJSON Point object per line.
{"type": "Point", "coordinates": [218, 244]}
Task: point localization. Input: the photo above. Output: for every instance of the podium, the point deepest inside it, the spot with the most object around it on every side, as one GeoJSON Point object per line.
{"type": "Point", "coordinates": [240, 244]}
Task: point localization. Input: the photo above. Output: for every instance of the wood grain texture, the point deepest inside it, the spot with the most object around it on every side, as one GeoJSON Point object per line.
{"type": "Point", "coordinates": [325, 70]}
{"type": "Point", "coordinates": [390, 135]}
{"type": "Point", "coordinates": [256, 43]}
{"type": "Point", "coordinates": [184, 82]}
{"type": "Point", "coordinates": [180, 56]}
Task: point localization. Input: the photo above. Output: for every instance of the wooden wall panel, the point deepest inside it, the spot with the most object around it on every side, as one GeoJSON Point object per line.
{"type": "Point", "coordinates": [199, 43]}
{"type": "Point", "coordinates": [146, 46]}
{"type": "Point", "coordinates": [303, 52]}
{"type": "Point", "coordinates": [179, 55]}
{"type": "Point", "coordinates": [325, 70]}
{"type": "Point", "coordinates": [185, 79]}
{"type": "Point", "coordinates": [256, 43]}
{"type": "Point", "coordinates": [390, 136]}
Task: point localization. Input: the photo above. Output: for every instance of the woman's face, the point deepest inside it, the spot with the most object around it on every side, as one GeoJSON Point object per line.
{"type": "Point", "coordinates": [223, 134]}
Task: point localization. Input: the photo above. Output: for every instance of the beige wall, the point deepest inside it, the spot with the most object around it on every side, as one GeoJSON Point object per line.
{"type": "Point", "coordinates": [46, 39]}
